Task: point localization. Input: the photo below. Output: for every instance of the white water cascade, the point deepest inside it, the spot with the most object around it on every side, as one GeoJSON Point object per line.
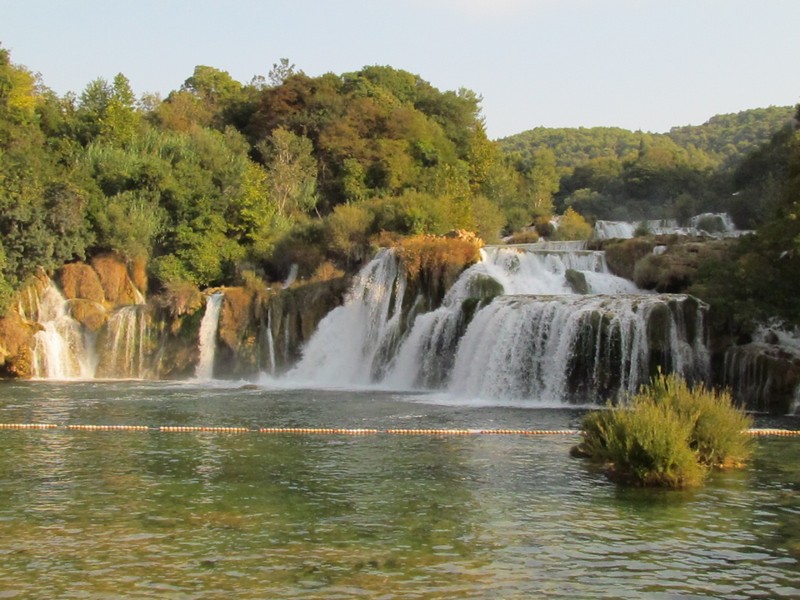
{"type": "Point", "coordinates": [270, 343]}
{"type": "Point", "coordinates": [353, 338]}
{"type": "Point", "coordinates": [718, 225]}
{"type": "Point", "coordinates": [61, 349]}
{"type": "Point", "coordinates": [124, 351]}
{"type": "Point", "coordinates": [208, 337]}
{"type": "Point", "coordinates": [513, 326]}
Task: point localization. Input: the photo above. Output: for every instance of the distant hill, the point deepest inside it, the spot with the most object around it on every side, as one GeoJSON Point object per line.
{"type": "Point", "coordinates": [613, 173]}
{"type": "Point", "coordinates": [733, 135]}
{"type": "Point", "coordinates": [721, 141]}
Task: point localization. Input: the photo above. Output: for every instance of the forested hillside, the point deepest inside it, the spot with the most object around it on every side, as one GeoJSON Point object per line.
{"type": "Point", "coordinates": [222, 179]}
{"type": "Point", "coordinates": [611, 173]}
{"type": "Point", "coordinates": [223, 182]}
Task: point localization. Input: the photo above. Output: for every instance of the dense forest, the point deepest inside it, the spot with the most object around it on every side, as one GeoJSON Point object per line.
{"type": "Point", "coordinates": [222, 181]}
{"type": "Point", "coordinates": [612, 173]}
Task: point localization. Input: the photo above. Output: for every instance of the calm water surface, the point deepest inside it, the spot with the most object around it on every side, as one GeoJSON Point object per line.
{"type": "Point", "coordinates": [249, 515]}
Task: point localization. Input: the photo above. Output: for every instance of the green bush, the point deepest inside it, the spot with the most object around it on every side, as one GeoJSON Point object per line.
{"type": "Point", "coordinates": [717, 424]}
{"type": "Point", "coordinates": [668, 435]}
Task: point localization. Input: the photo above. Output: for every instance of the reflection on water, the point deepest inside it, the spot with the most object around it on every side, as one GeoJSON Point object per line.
{"type": "Point", "coordinates": [199, 515]}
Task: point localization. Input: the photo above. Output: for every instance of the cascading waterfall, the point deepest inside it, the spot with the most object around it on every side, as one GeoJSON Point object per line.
{"type": "Point", "coordinates": [270, 343]}
{"type": "Point", "coordinates": [764, 372]}
{"type": "Point", "coordinates": [61, 349]}
{"type": "Point", "coordinates": [208, 337]}
{"type": "Point", "coordinates": [352, 340]}
{"type": "Point", "coordinates": [124, 350]}
{"type": "Point", "coordinates": [582, 348]}
{"type": "Point", "coordinates": [511, 327]}
{"type": "Point", "coordinates": [542, 269]}
{"type": "Point", "coordinates": [706, 224]}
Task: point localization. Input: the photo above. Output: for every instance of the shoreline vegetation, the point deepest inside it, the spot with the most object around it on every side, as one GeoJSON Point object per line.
{"type": "Point", "coordinates": [668, 435]}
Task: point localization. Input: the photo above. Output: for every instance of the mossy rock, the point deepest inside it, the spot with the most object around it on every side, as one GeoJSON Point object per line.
{"type": "Point", "coordinates": [485, 287]}
{"type": "Point", "coordinates": [622, 255]}
{"type": "Point", "coordinates": [659, 325]}
{"type": "Point", "coordinates": [764, 377]}
{"type": "Point", "coordinates": [674, 271]}
{"type": "Point", "coordinates": [235, 319]}
{"type": "Point", "coordinates": [113, 274]}
{"type": "Point", "coordinates": [137, 271]}
{"type": "Point", "coordinates": [577, 281]}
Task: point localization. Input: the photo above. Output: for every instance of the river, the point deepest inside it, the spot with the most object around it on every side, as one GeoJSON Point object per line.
{"type": "Point", "coordinates": [154, 514]}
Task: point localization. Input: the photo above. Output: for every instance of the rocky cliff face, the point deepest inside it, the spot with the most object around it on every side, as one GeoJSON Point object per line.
{"type": "Point", "coordinates": [259, 329]}
{"type": "Point", "coordinates": [763, 374]}
{"type": "Point", "coordinates": [265, 331]}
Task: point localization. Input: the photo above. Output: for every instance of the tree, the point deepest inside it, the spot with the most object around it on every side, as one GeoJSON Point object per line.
{"type": "Point", "coordinates": [543, 182]}
{"type": "Point", "coordinates": [223, 99]}
{"type": "Point", "coordinates": [108, 111]}
{"type": "Point", "coordinates": [572, 226]}
{"type": "Point", "coordinates": [280, 72]}
{"type": "Point", "coordinates": [213, 86]}
{"type": "Point", "coordinates": [291, 171]}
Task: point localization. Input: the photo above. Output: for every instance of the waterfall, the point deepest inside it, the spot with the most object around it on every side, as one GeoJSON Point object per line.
{"type": "Point", "coordinates": [352, 339]}
{"type": "Point", "coordinates": [764, 373]}
{"type": "Point", "coordinates": [61, 350]}
{"type": "Point", "coordinates": [538, 269]}
{"type": "Point", "coordinates": [513, 326]}
{"type": "Point", "coordinates": [707, 224]}
{"type": "Point", "coordinates": [208, 337]}
{"type": "Point", "coordinates": [270, 343]}
{"type": "Point", "coordinates": [290, 279]}
{"type": "Point", "coordinates": [605, 230]}
{"type": "Point", "coordinates": [585, 348]}
{"type": "Point", "coordinates": [124, 350]}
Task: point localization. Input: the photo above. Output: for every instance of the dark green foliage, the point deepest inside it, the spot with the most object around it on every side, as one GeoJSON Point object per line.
{"type": "Point", "coordinates": [609, 173]}
{"type": "Point", "coordinates": [757, 279]}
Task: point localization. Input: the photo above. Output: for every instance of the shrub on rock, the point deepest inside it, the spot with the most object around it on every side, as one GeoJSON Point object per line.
{"type": "Point", "coordinates": [669, 435]}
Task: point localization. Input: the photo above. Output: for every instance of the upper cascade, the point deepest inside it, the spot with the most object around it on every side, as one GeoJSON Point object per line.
{"type": "Point", "coordinates": [717, 225]}
{"type": "Point", "coordinates": [535, 323]}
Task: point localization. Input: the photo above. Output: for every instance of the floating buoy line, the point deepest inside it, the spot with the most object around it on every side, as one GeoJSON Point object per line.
{"type": "Point", "coordinates": [335, 430]}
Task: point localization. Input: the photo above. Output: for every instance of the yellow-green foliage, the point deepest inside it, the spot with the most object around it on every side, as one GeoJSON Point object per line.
{"type": "Point", "coordinates": [668, 435]}
{"type": "Point", "coordinates": [347, 230]}
{"type": "Point", "coordinates": [572, 226]}
{"type": "Point", "coordinates": [527, 236]}
{"type": "Point", "coordinates": [440, 255]}
{"type": "Point", "coordinates": [644, 446]}
{"type": "Point", "coordinates": [717, 425]}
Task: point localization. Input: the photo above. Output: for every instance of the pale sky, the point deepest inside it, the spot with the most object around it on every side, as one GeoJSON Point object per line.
{"type": "Point", "coordinates": [637, 64]}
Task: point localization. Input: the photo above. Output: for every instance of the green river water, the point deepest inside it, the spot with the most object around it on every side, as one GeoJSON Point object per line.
{"type": "Point", "coordinates": [148, 514]}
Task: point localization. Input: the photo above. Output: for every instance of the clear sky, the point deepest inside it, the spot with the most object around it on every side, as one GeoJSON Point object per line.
{"type": "Point", "coordinates": [637, 64]}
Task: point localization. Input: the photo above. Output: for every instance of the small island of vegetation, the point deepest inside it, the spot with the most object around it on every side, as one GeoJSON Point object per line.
{"type": "Point", "coordinates": [669, 435]}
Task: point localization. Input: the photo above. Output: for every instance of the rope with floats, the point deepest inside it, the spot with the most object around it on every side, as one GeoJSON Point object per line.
{"type": "Point", "coordinates": [758, 432]}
